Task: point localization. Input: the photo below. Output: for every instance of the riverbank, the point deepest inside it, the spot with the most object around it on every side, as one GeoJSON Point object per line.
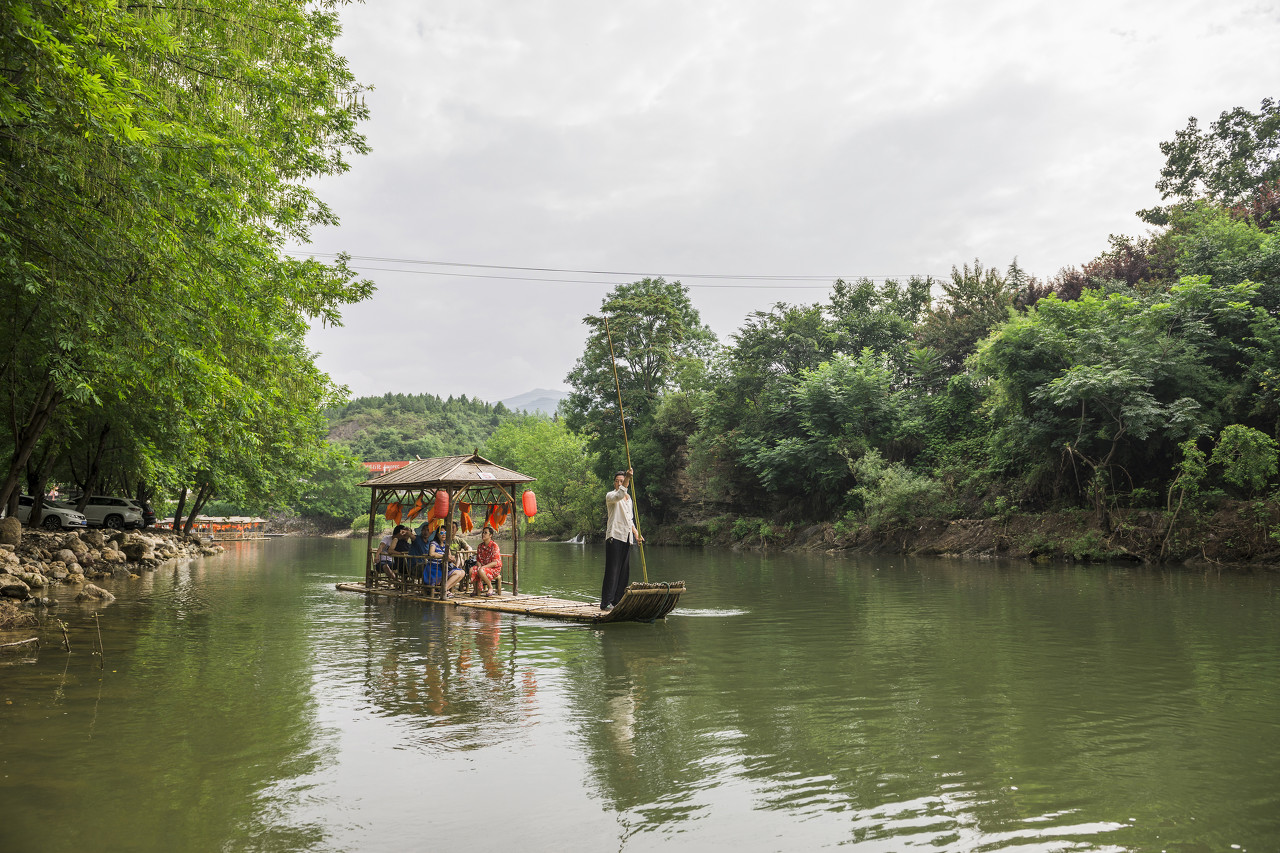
{"type": "Point", "coordinates": [1239, 534]}
{"type": "Point", "coordinates": [34, 561]}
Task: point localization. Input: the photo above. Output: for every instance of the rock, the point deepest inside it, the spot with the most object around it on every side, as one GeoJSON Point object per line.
{"type": "Point", "coordinates": [75, 569]}
{"type": "Point", "coordinates": [121, 573]}
{"type": "Point", "coordinates": [136, 551]}
{"type": "Point", "coordinates": [67, 556]}
{"type": "Point", "coordinates": [93, 538]}
{"type": "Point", "coordinates": [94, 592]}
{"type": "Point", "coordinates": [41, 601]}
{"type": "Point", "coordinates": [59, 575]}
{"type": "Point", "coordinates": [73, 543]}
{"type": "Point", "coordinates": [30, 578]}
{"type": "Point", "coordinates": [10, 531]}
{"type": "Point", "coordinates": [116, 536]}
{"type": "Point", "coordinates": [11, 587]}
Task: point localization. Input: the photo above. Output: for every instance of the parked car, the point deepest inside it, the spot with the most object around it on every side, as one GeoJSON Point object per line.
{"type": "Point", "coordinates": [106, 511]}
{"type": "Point", "coordinates": [53, 516]}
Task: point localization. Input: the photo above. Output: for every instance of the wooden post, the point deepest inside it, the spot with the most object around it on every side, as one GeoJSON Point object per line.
{"type": "Point", "coordinates": [516, 512]}
{"type": "Point", "coordinates": [368, 545]}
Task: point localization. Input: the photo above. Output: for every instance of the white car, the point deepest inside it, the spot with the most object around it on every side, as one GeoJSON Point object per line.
{"type": "Point", "coordinates": [102, 511]}
{"type": "Point", "coordinates": [53, 517]}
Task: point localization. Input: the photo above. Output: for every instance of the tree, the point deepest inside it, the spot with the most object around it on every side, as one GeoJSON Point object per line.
{"type": "Point", "coordinates": [1107, 386]}
{"type": "Point", "coordinates": [1239, 154]}
{"type": "Point", "coordinates": [570, 495]}
{"type": "Point", "coordinates": [1235, 165]}
{"type": "Point", "coordinates": [156, 161]}
{"type": "Point", "coordinates": [976, 300]}
{"type": "Point", "coordinates": [656, 332]}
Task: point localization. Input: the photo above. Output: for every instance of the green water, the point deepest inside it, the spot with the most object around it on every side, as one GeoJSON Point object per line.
{"type": "Point", "coordinates": [794, 702]}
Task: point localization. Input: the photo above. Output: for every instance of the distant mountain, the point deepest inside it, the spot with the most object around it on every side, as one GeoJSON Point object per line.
{"type": "Point", "coordinates": [538, 400]}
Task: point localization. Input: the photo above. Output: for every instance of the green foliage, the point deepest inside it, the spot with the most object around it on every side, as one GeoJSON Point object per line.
{"type": "Point", "coordinates": [333, 489]}
{"type": "Point", "coordinates": [1226, 164]}
{"type": "Point", "coordinates": [976, 300]}
{"type": "Point", "coordinates": [1247, 457]}
{"type": "Point", "coordinates": [156, 161]}
{"type": "Point", "coordinates": [891, 495]}
{"type": "Point", "coordinates": [570, 495]}
{"type": "Point", "coordinates": [658, 338]}
{"type": "Point", "coordinates": [397, 427]}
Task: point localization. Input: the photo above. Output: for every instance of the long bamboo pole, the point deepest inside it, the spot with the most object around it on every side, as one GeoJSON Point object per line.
{"type": "Point", "coordinates": [635, 509]}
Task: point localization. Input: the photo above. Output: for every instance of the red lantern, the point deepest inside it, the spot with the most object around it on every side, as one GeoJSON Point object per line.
{"type": "Point", "coordinates": [530, 503]}
{"type": "Point", "coordinates": [440, 509]}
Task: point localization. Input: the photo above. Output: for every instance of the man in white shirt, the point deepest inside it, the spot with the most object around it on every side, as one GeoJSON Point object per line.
{"type": "Point", "coordinates": [619, 533]}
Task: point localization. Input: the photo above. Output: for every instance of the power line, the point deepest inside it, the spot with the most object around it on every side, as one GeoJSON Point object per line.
{"type": "Point", "coordinates": [513, 268]}
{"type": "Point", "coordinates": [585, 280]}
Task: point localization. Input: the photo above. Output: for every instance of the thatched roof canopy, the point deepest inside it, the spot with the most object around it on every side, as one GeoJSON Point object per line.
{"type": "Point", "coordinates": [448, 471]}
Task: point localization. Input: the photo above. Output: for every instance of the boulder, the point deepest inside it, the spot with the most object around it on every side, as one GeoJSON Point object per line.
{"type": "Point", "coordinates": [73, 543]}
{"type": "Point", "coordinates": [89, 591]}
{"type": "Point", "coordinates": [58, 575]}
{"type": "Point", "coordinates": [12, 587]}
{"type": "Point", "coordinates": [93, 538]}
{"type": "Point", "coordinates": [10, 531]}
{"type": "Point", "coordinates": [30, 578]}
{"type": "Point", "coordinates": [67, 556]}
{"type": "Point", "coordinates": [121, 573]}
{"type": "Point", "coordinates": [136, 551]}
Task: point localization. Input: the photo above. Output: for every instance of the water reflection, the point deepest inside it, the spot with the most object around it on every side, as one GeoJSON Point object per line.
{"type": "Point", "coordinates": [794, 702]}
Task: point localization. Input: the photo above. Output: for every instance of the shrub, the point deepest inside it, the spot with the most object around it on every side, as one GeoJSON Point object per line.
{"type": "Point", "coordinates": [892, 495]}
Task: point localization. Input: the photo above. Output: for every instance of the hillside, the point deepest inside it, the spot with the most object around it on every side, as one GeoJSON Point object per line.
{"type": "Point", "coordinates": [402, 426]}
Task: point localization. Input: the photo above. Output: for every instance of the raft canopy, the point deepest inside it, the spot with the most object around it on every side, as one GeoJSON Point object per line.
{"type": "Point", "coordinates": [448, 471]}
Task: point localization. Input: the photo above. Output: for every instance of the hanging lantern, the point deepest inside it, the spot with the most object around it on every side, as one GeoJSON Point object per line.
{"type": "Point", "coordinates": [440, 509]}
{"type": "Point", "coordinates": [530, 502]}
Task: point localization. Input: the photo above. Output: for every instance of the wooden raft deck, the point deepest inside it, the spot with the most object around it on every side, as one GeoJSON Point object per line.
{"type": "Point", "coordinates": [640, 603]}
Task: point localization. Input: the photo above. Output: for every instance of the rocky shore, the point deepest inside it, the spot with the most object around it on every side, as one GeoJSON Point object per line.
{"type": "Point", "coordinates": [32, 562]}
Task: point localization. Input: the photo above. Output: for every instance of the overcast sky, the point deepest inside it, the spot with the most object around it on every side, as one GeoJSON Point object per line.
{"type": "Point", "coordinates": [742, 137]}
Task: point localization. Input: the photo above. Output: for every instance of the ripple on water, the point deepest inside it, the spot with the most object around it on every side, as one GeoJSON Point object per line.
{"type": "Point", "coordinates": [709, 611]}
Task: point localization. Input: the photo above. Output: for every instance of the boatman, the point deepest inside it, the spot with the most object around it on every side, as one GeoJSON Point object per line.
{"type": "Point", "coordinates": [619, 534]}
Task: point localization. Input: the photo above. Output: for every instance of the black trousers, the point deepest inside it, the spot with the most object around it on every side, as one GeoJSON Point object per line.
{"type": "Point", "coordinates": [617, 571]}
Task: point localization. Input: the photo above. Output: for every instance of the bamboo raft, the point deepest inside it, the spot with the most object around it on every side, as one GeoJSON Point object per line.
{"type": "Point", "coordinates": [642, 602]}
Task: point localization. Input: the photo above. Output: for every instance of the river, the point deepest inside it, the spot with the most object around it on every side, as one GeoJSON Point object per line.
{"type": "Point", "coordinates": [793, 702]}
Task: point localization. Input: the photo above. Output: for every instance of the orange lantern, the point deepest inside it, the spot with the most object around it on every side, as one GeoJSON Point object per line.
{"type": "Point", "coordinates": [530, 502]}
{"type": "Point", "coordinates": [440, 509]}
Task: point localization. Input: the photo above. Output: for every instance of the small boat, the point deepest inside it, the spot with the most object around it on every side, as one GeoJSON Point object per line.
{"type": "Point", "coordinates": [448, 481]}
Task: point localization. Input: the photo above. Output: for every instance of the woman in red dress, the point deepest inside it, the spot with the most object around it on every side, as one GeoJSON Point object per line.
{"type": "Point", "coordinates": [488, 563]}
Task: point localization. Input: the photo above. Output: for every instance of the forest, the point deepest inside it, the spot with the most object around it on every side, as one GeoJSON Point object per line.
{"type": "Point", "coordinates": [157, 161]}
{"type": "Point", "coordinates": [1142, 383]}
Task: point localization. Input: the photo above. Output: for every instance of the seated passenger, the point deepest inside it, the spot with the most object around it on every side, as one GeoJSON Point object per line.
{"type": "Point", "coordinates": [384, 560]}
{"type": "Point", "coordinates": [460, 550]}
{"type": "Point", "coordinates": [430, 548]}
{"type": "Point", "coordinates": [488, 564]}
